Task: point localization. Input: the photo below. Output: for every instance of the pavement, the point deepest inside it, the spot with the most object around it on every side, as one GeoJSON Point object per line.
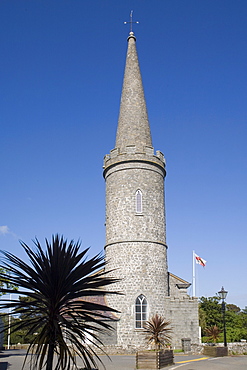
{"type": "Point", "coordinates": [13, 360]}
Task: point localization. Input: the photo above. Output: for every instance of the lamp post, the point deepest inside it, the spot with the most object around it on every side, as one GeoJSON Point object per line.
{"type": "Point", "coordinates": [223, 293]}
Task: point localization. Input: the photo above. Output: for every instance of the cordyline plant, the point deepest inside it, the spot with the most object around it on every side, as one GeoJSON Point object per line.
{"type": "Point", "coordinates": [213, 332]}
{"type": "Point", "coordinates": [54, 283]}
{"type": "Point", "coordinates": [158, 332]}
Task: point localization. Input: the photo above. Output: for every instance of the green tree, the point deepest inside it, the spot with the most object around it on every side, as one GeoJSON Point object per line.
{"type": "Point", "coordinates": [5, 281]}
{"type": "Point", "coordinates": [210, 315]}
{"type": "Point", "coordinates": [202, 319]}
{"type": "Point", "coordinates": [233, 308]}
{"type": "Point", "coordinates": [15, 337]}
{"type": "Point", "coordinates": [244, 311]}
{"type": "Point", "coordinates": [28, 335]}
{"type": "Point", "coordinates": [235, 330]}
{"type": "Point", "coordinates": [243, 318]}
{"type": "Point", "coordinates": [158, 331]}
{"type": "Point", "coordinates": [57, 283]}
{"type": "Point", "coordinates": [22, 335]}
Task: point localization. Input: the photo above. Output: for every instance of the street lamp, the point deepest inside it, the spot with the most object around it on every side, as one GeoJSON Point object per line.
{"type": "Point", "coordinates": [222, 294]}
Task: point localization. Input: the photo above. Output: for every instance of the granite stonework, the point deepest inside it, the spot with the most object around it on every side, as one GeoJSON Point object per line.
{"type": "Point", "coordinates": [183, 315]}
{"type": "Point", "coordinates": [133, 124]}
{"type": "Point", "coordinates": [136, 250]}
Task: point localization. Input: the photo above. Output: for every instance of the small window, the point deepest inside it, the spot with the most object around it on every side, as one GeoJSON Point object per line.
{"type": "Point", "coordinates": [140, 311]}
{"type": "Point", "coordinates": [138, 201]}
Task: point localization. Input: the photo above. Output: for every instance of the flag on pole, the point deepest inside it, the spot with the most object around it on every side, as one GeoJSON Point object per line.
{"type": "Point", "coordinates": [200, 261]}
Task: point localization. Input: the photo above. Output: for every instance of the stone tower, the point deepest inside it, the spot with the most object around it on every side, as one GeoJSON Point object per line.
{"type": "Point", "coordinates": [135, 250]}
{"type": "Point", "coordinates": [135, 211]}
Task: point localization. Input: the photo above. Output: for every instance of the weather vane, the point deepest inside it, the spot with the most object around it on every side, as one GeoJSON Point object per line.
{"type": "Point", "coordinates": [131, 21]}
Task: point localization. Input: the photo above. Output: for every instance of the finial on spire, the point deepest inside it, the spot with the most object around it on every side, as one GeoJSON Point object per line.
{"type": "Point", "coordinates": [131, 23]}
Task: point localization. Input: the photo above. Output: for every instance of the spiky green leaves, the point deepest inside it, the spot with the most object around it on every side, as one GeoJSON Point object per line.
{"type": "Point", "coordinates": [59, 282]}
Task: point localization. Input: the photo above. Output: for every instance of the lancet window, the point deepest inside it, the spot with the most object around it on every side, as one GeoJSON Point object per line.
{"type": "Point", "coordinates": [140, 311]}
{"type": "Point", "coordinates": [138, 201]}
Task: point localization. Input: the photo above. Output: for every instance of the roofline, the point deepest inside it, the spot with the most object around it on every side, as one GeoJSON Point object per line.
{"type": "Point", "coordinates": [176, 277]}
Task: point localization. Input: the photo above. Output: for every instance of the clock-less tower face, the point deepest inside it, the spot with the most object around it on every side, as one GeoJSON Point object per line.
{"type": "Point", "coordinates": [135, 212]}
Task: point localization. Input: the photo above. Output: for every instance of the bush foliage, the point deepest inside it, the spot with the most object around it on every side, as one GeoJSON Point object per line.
{"type": "Point", "coordinates": [210, 315]}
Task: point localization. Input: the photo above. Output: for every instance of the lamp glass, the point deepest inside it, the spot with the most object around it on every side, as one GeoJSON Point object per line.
{"type": "Point", "coordinates": [222, 293]}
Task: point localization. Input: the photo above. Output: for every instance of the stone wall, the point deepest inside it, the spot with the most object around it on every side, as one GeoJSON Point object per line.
{"type": "Point", "coordinates": [136, 251]}
{"type": "Point", "coordinates": [123, 223]}
{"type": "Point", "coordinates": [183, 314]}
{"type": "Point", "coordinates": [237, 348]}
{"type": "Point", "coordinates": [109, 338]}
{"type": "Point", "coordinates": [177, 286]}
{"type": "Point", "coordinates": [142, 269]}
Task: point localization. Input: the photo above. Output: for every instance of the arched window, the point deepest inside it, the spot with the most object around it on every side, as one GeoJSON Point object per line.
{"type": "Point", "coordinates": [140, 311]}
{"type": "Point", "coordinates": [138, 201]}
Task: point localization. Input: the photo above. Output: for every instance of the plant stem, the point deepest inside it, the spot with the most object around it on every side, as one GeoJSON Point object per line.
{"type": "Point", "coordinates": [50, 356]}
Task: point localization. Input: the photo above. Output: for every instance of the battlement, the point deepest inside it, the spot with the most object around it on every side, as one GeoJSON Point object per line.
{"type": "Point", "coordinates": [145, 153]}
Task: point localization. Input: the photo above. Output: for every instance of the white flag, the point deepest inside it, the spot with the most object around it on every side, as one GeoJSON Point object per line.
{"type": "Point", "coordinates": [200, 260]}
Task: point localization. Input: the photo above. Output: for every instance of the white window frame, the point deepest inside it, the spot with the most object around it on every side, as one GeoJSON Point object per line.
{"type": "Point", "coordinates": [141, 311]}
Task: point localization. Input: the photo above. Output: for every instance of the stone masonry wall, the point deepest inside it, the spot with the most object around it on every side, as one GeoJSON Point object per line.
{"type": "Point", "coordinates": [135, 242]}
{"type": "Point", "coordinates": [174, 291]}
{"type": "Point", "coordinates": [122, 221]}
{"type": "Point", "coordinates": [142, 269]}
{"type": "Point", "coordinates": [183, 314]}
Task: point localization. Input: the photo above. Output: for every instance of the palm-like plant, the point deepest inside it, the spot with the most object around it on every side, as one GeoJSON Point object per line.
{"type": "Point", "coordinates": [55, 281]}
{"type": "Point", "coordinates": [213, 332]}
{"type": "Point", "coordinates": [158, 331]}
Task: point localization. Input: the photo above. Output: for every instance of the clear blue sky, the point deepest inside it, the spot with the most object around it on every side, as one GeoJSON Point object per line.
{"type": "Point", "coordinates": [61, 72]}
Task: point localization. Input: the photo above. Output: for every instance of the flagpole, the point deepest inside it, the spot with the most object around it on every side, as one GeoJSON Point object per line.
{"type": "Point", "coordinates": [8, 345]}
{"type": "Point", "coordinates": [193, 276]}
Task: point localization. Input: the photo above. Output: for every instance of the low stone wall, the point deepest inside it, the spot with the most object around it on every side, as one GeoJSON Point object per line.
{"type": "Point", "coordinates": [237, 348]}
{"type": "Point", "coordinates": [115, 350]}
{"type": "Point", "coordinates": [197, 349]}
{"type": "Point", "coordinates": [17, 346]}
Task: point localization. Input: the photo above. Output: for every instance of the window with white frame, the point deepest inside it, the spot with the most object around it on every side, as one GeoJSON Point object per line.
{"type": "Point", "coordinates": [140, 311]}
{"type": "Point", "coordinates": [138, 201]}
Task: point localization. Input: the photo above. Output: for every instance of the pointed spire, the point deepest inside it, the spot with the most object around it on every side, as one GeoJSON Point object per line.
{"type": "Point", "coordinates": [133, 125]}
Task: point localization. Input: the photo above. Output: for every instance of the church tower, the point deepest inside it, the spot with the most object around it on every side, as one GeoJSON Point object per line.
{"type": "Point", "coordinates": [135, 249]}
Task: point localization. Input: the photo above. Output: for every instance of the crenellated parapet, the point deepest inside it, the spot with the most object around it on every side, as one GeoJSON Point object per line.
{"type": "Point", "coordinates": [132, 153]}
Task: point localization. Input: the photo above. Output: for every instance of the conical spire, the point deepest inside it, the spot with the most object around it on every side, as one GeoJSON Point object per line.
{"type": "Point", "coordinates": [133, 125]}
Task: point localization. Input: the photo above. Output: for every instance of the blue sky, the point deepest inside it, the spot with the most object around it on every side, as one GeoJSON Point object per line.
{"type": "Point", "coordinates": [61, 72]}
